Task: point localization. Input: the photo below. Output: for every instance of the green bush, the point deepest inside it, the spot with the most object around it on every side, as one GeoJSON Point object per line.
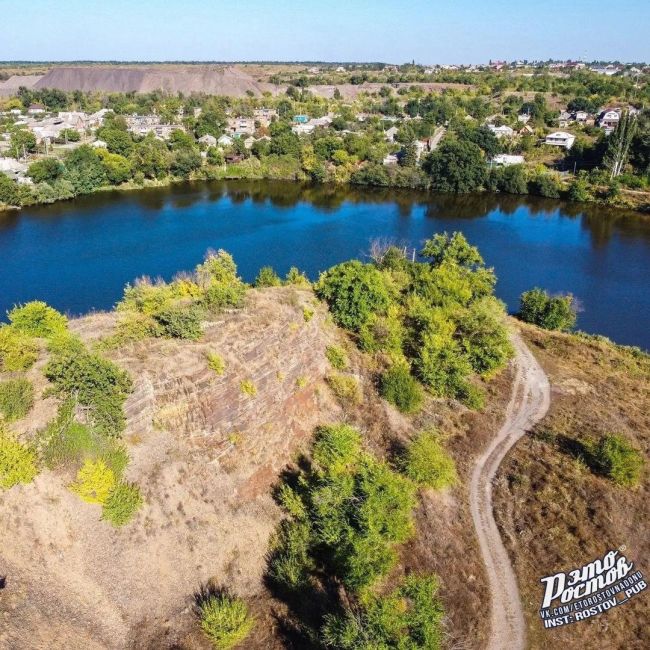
{"type": "Point", "coordinates": [267, 277]}
{"type": "Point", "coordinates": [17, 350]}
{"type": "Point", "coordinates": [400, 388]}
{"type": "Point", "coordinates": [427, 463]}
{"type": "Point", "coordinates": [218, 279]}
{"type": "Point", "coordinates": [132, 327]}
{"type": "Point", "coordinates": [407, 618]}
{"type": "Point", "coordinates": [483, 336]}
{"type": "Point", "coordinates": [94, 483]}
{"type": "Point", "coordinates": [16, 398]}
{"type": "Point", "coordinates": [123, 501]}
{"type": "Point", "coordinates": [17, 461]}
{"type": "Point", "coordinates": [94, 382]}
{"type": "Point", "coordinates": [348, 511]}
{"type": "Point", "coordinates": [297, 278]}
{"type": "Point", "coordinates": [37, 319]}
{"type": "Point", "coordinates": [248, 387]}
{"type": "Point", "coordinates": [216, 363]}
{"type": "Point", "coordinates": [181, 321]}
{"type": "Point", "coordinates": [551, 313]}
{"type": "Point", "coordinates": [354, 291]}
{"type": "Point", "coordinates": [345, 387]}
{"type": "Point", "coordinates": [337, 357]}
{"type": "Point", "coordinates": [225, 620]}
{"type": "Point", "coordinates": [619, 460]}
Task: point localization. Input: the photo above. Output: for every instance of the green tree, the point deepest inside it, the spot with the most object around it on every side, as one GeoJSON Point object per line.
{"type": "Point", "coordinates": [354, 292]}
{"type": "Point", "coordinates": [22, 142]}
{"type": "Point", "coordinates": [551, 313]}
{"type": "Point", "coordinates": [117, 167]}
{"type": "Point", "coordinates": [84, 169]}
{"type": "Point", "coordinates": [46, 170]}
{"type": "Point", "coordinates": [456, 166]}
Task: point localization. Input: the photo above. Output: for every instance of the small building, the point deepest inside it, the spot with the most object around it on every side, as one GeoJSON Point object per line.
{"type": "Point", "coordinates": [609, 119]}
{"type": "Point", "coordinates": [225, 141]}
{"type": "Point", "coordinates": [564, 119]}
{"type": "Point", "coordinates": [303, 129]}
{"type": "Point", "coordinates": [241, 126]}
{"type": "Point", "coordinates": [524, 118]}
{"type": "Point", "coordinates": [208, 140]}
{"type": "Point", "coordinates": [391, 133]}
{"type": "Point", "coordinates": [505, 160]}
{"type": "Point", "coordinates": [581, 116]}
{"type": "Point", "coordinates": [501, 131]}
{"type": "Point", "coordinates": [36, 109]}
{"type": "Point", "coordinates": [340, 69]}
{"type": "Point", "coordinates": [249, 142]}
{"type": "Point", "coordinates": [560, 139]}
{"type": "Point", "coordinates": [526, 129]}
{"type": "Point", "coordinates": [391, 159]}
{"type": "Point", "coordinates": [12, 168]}
{"type": "Point", "coordinates": [265, 116]}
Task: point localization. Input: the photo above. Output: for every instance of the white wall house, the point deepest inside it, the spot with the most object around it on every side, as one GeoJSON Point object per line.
{"type": "Point", "coordinates": [505, 160]}
{"type": "Point", "coordinates": [501, 131]}
{"type": "Point", "coordinates": [560, 139]}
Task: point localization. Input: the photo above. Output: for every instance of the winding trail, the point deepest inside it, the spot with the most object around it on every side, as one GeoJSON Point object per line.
{"type": "Point", "coordinates": [528, 404]}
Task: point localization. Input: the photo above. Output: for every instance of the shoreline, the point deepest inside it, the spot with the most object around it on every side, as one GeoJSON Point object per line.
{"type": "Point", "coordinates": [642, 210]}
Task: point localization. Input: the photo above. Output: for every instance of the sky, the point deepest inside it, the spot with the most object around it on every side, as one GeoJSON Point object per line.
{"type": "Point", "coordinates": [429, 31]}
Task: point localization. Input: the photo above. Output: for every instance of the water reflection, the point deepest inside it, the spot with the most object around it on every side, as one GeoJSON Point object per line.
{"type": "Point", "coordinates": [78, 254]}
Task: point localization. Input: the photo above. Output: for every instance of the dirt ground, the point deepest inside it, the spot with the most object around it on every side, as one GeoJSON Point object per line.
{"type": "Point", "coordinates": [206, 457]}
{"type": "Point", "coordinates": [554, 512]}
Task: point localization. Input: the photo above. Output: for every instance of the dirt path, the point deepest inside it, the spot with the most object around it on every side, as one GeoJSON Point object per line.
{"type": "Point", "coordinates": [528, 404]}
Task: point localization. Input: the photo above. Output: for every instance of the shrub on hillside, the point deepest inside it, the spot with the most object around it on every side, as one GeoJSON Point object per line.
{"type": "Point", "coordinates": [267, 277]}
{"type": "Point", "coordinates": [123, 501]}
{"type": "Point", "coordinates": [400, 388]}
{"type": "Point", "coordinates": [94, 382]}
{"type": "Point", "coordinates": [94, 483]}
{"type": "Point", "coordinates": [337, 357]}
{"type": "Point", "coordinates": [17, 350]}
{"type": "Point", "coordinates": [17, 461]}
{"type": "Point", "coordinates": [216, 362]}
{"type": "Point", "coordinates": [225, 620]}
{"type": "Point", "coordinates": [619, 460]}
{"type": "Point", "coordinates": [181, 321]}
{"type": "Point", "coordinates": [427, 463]}
{"type": "Point", "coordinates": [218, 279]}
{"type": "Point", "coordinates": [408, 617]}
{"type": "Point", "coordinates": [296, 278]}
{"type": "Point", "coordinates": [345, 387]}
{"type": "Point", "coordinates": [354, 291]}
{"type": "Point", "coordinates": [550, 312]}
{"type": "Point", "coordinates": [16, 398]}
{"type": "Point", "coordinates": [348, 512]}
{"type": "Point", "coordinates": [37, 319]}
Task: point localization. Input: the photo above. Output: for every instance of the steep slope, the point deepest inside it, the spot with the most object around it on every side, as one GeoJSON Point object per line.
{"type": "Point", "coordinates": [205, 454]}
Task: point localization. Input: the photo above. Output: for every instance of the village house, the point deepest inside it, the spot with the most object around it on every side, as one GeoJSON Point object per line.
{"type": "Point", "coordinates": [36, 109]}
{"type": "Point", "coordinates": [560, 139]}
{"type": "Point", "coordinates": [524, 118]}
{"type": "Point", "coordinates": [609, 119]}
{"type": "Point", "coordinates": [225, 141]}
{"type": "Point", "coordinates": [501, 131]}
{"type": "Point", "coordinates": [241, 126]}
{"type": "Point", "coordinates": [391, 159]}
{"type": "Point", "coordinates": [505, 160]}
{"type": "Point", "coordinates": [142, 124]}
{"type": "Point", "coordinates": [208, 140]}
{"type": "Point", "coordinates": [526, 129]}
{"type": "Point", "coordinates": [390, 134]}
{"type": "Point", "coordinates": [265, 116]}
{"type": "Point", "coordinates": [581, 116]}
{"type": "Point", "coordinates": [564, 119]}
{"type": "Point", "coordinates": [303, 129]}
{"type": "Point", "coordinates": [12, 168]}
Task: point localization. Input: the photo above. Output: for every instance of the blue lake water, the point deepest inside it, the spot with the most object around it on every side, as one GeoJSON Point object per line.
{"type": "Point", "coordinates": [78, 255]}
